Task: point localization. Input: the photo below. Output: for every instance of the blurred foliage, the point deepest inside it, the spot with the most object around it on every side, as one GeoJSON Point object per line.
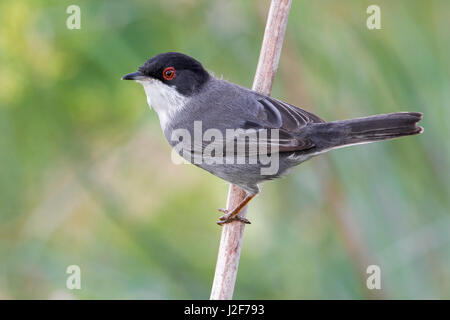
{"type": "Point", "coordinates": [86, 176]}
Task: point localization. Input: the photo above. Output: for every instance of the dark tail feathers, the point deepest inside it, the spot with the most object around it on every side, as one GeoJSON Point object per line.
{"type": "Point", "coordinates": [363, 130]}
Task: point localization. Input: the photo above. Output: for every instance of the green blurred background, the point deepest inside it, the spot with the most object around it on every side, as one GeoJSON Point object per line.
{"type": "Point", "coordinates": [86, 176]}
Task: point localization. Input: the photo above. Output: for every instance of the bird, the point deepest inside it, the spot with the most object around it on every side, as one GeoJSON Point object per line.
{"type": "Point", "coordinates": [217, 125]}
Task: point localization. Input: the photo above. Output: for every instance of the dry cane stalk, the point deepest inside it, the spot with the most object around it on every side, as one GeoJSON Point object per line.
{"type": "Point", "coordinates": [232, 233]}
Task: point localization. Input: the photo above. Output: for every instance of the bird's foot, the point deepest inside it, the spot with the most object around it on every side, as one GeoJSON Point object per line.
{"type": "Point", "coordinates": [231, 216]}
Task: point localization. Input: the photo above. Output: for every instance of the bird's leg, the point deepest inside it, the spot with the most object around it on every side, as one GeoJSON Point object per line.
{"type": "Point", "coordinates": [233, 215]}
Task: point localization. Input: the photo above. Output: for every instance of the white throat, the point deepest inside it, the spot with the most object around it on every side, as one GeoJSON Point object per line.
{"type": "Point", "coordinates": [166, 101]}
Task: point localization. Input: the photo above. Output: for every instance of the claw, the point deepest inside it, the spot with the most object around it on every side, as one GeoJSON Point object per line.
{"type": "Point", "coordinates": [233, 215]}
{"type": "Point", "coordinates": [242, 219]}
{"type": "Point", "coordinates": [223, 220]}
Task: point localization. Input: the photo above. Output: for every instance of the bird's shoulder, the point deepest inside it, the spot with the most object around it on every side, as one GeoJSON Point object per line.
{"type": "Point", "coordinates": [237, 105]}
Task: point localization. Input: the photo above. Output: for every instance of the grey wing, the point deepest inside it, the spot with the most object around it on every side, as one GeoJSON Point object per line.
{"type": "Point", "coordinates": [288, 119]}
{"type": "Point", "coordinates": [275, 123]}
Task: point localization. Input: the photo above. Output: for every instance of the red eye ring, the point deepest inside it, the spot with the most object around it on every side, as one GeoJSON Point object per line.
{"type": "Point", "coordinates": [169, 73]}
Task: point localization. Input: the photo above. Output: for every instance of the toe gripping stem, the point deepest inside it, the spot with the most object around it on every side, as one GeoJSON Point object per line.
{"type": "Point", "coordinates": [233, 215]}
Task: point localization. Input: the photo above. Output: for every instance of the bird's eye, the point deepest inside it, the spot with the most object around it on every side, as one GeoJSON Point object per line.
{"type": "Point", "coordinates": [169, 73]}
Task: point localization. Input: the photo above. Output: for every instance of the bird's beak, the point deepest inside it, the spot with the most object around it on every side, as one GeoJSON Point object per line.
{"type": "Point", "coordinates": [134, 76]}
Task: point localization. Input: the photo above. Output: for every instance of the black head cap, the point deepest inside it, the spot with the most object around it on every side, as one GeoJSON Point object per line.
{"type": "Point", "coordinates": [175, 69]}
